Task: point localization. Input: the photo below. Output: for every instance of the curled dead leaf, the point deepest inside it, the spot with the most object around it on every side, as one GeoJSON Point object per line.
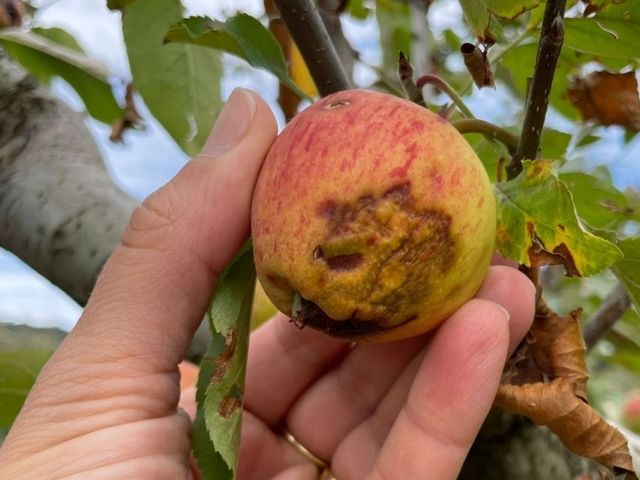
{"type": "Point", "coordinates": [478, 65]}
{"type": "Point", "coordinates": [608, 98]}
{"type": "Point", "coordinates": [546, 381]}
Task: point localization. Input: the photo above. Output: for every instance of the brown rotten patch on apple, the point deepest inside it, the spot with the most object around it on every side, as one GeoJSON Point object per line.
{"type": "Point", "coordinates": [390, 254]}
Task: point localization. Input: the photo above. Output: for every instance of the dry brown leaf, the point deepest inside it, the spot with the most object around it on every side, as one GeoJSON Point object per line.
{"type": "Point", "coordinates": [608, 98]}
{"type": "Point", "coordinates": [574, 421]}
{"type": "Point", "coordinates": [546, 381]}
{"type": "Point", "coordinates": [478, 65]}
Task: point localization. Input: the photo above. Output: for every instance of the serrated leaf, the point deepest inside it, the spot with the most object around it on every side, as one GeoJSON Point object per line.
{"type": "Point", "coordinates": [477, 16]}
{"type": "Point", "coordinates": [179, 83]}
{"type": "Point", "coordinates": [628, 269]}
{"type": "Point", "coordinates": [242, 36]}
{"type": "Point", "coordinates": [46, 59]}
{"type": "Point", "coordinates": [221, 382]}
{"type": "Point", "coordinates": [538, 225]}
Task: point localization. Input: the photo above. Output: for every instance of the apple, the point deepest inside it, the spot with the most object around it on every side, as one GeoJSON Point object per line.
{"type": "Point", "coordinates": [372, 219]}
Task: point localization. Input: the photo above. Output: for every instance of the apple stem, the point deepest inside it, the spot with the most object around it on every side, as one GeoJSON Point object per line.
{"type": "Point", "coordinates": [489, 130]}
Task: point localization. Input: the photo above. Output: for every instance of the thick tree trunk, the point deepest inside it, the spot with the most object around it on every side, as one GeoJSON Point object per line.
{"type": "Point", "coordinates": [60, 212]}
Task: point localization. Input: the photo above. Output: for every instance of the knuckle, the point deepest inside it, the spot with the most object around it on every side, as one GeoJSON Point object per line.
{"type": "Point", "coordinates": [156, 222]}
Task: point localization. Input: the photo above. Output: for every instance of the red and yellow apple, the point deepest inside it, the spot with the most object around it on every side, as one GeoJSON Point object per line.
{"type": "Point", "coordinates": [372, 219]}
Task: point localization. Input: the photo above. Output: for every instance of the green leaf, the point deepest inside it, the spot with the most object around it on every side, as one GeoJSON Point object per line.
{"type": "Point", "coordinates": [597, 200]}
{"type": "Point", "coordinates": [553, 143]}
{"type": "Point", "coordinates": [358, 9]}
{"type": "Point", "coordinates": [477, 16]}
{"type": "Point", "coordinates": [510, 8]}
{"type": "Point", "coordinates": [23, 353]}
{"type": "Point", "coordinates": [18, 372]}
{"type": "Point", "coordinates": [46, 59]}
{"type": "Point", "coordinates": [394, 22]}
{"type": "Point", "coordinates": [520, 61]}
{"type": "Point", "coordinates": [538, 225]}
{"type": "Point", "coordinates": [604, 37]}
{"type": "Point", "coordinates": [221, 381]}
{"type": "Point", "coordinates": [180, 84]}
{"type": "Point", "coordinates": [242, 36]}
{"type": "Point", "coordinates": [118, 4]}
{"type": "Point", "coordinates": [628, 269]}
{"type": "Point", "coordinates": [59, 36]}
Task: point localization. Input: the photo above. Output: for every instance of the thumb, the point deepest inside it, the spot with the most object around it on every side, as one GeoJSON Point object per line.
{"type": "Point", "coordinates": [155, 288]}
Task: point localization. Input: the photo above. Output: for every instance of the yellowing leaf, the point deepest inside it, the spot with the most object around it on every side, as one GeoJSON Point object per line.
{"type": "Point", "coordinates": [299, 71]}
{"type": "Point", "coordinates": [538, 224]}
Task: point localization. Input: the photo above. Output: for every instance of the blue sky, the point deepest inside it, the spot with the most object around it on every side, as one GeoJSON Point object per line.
{"type": "Point", "coordinates": [150, 158]}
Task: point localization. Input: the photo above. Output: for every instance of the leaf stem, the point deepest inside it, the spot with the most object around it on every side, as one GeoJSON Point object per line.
{"type": "Point", "coordinates": [308, 31]}
{"type": "Point", "coordinates": [489, 130]}
{"type": "Point", "coordinates": [551, 39]}
{"type": "Point", "coordinates": [443, 86]}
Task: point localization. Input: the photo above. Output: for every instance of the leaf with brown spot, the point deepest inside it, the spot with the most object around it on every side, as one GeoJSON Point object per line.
{"type": "Point", "coordinates": [608, 98]}
{"type": "Point", "coordinates": [220, 393]}
{"type": "Point", "coordinates": [538, 224]}
{"type": "Point", "coordinates": [546, 380]}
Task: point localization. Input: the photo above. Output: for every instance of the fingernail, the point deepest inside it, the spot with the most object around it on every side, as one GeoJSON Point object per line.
{"type": "Point", "coordinates": [504, 310]}
{"type": "Point", "coordinates": [232, 123]}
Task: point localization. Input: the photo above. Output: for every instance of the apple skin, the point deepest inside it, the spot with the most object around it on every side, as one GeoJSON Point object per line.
{"type": "Point", "coordinates": [631, 412]}
{"type": "Point", "coordinates": [374, 216]}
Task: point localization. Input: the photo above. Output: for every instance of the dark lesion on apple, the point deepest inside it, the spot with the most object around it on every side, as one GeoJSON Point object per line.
{"type": "Point", "coordinates": [385, 250]}
{"type": "Point", "coordinates": [311, 315]}
{"type": "Point", "coordinates": [341, 263]}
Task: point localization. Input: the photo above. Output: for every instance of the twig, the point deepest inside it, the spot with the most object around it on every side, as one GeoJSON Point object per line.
{"type": "Point", "coordinates": [489, 130]}
{"type": "Point", "coordinates": [551, 39]}
{"type": "Point", "coordinates": [308, 31]}
{"type": "Point", "coordinates": [443, 86]}
{"type": "Point", "coordinates": [611, 309]}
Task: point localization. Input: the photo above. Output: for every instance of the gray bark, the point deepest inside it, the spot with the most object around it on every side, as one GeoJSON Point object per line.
{"type": "Point", "coordinates": [60, 212]}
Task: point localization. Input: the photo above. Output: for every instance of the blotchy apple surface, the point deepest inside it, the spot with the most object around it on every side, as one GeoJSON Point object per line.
{"type": "Point", "coordinates": [373, 216]}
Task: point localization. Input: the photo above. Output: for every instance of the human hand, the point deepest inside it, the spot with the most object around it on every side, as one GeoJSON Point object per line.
{"type": "Point", "coordinates": [105, 406]}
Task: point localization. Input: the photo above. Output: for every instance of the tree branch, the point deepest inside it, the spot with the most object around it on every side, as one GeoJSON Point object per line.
{"type": "Point", "coordinates": [308, 31]}
{"type": "Point", "coordinates": [60, 212]}
{"type": "Point", "coordinates": [551, 39]}
{"type": "Point", "coordinates": [612, 308]}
